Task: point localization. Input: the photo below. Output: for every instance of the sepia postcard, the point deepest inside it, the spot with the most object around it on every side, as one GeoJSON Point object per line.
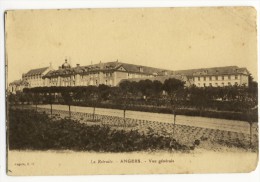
{"type": "Point", "coordinates": [131, 91]}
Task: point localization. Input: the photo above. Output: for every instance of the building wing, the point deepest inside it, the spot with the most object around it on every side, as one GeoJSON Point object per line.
{"type": "Point", "coordinates": [37, 71]}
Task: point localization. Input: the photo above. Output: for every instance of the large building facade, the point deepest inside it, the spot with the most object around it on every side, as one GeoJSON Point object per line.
{"type": "Point", "coordinates": [217, 76]}
{"type": "Point", "coordinates": [112, 73]}
{"type": "Point", "coordinates": [34, 77]}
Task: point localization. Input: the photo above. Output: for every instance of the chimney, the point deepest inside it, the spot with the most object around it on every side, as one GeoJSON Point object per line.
{"type": "Point", "coordinates": [78, 65]}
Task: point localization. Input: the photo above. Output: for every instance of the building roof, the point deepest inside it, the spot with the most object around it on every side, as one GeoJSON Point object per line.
{"type": "Point", "coordinates": [19, 82]}
{"type": "Point", "coordinates": [37, 71]}
{"type": "Point", "coordinates": [108, 66]}
{"type": "Point", "coordinates": [146, 69]}
{"type": "Point", "coordinates": [131, 68]}
{"type": "Point", "coordinates": [115, 65]}
{"type": "Point", "coordinates": [227, 70]}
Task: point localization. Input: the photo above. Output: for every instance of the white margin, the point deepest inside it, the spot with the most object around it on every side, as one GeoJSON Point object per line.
{"type": "Point", "coordinates": [68, 4]}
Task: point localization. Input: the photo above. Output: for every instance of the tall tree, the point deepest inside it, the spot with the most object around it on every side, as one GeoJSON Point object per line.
{"type": "Point", "coordinates": [174, 87]}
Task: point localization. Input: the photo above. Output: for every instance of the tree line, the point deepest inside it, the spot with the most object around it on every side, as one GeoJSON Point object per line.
{"type": "Point", "coordinates": [171, 93]}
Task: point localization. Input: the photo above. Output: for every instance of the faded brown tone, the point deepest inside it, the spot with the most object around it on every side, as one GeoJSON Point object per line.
{"type": "Point", "coordinates": [78, 163]}
{"type": "Point", "coordinates": [169, 38]}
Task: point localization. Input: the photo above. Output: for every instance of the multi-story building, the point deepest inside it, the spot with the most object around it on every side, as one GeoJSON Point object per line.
{"type": "Point", "coordinates": [34, 77]}
{"type": "Point", "coordinates": [217, 76]}
{"type": "Point", "coordinates": [17, 85]}
{"type": "Point", "coordinates": [112, 73]}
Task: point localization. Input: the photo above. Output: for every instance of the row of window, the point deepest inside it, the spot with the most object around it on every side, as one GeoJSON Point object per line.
{"type": "Point", "coordinates": [90, 75]}
{"type": "Point", "coordinates": [134, 75]}
{"type": "Point", "coordinates": [33, 77]}
{"type": "Point", "coordinates": [216, 78]}
{"type": "Point", "coordinates": [216, 84]}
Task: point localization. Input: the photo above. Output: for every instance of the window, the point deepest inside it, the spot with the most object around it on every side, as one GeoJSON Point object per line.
{"type": "Point", "coordinates": [199, 78]}
{"type": "Point", "coordinates": [204, 78]}
{"type": "Point", "coordinates": [229, 84]}
{"type": "Point", "coordinates": [210, 78]}
{"type": "Point", "coordinates": [216, 77]}
{"type": "Point", "coordinates": [236, 77]}
{"type": "Point", "coordinates": [204, 84]}
{"type": "Point", "coordinates": [210, 84]}
{"type": "Point", "coordinates": [236, 83]}
{"type": "Point", "coordinates": [223, 84]}
{"type": "Point", "coordinates": [229, 77]}
{"type": "Point", "coordinates": [223, 78]}
{"type": "Point", "coordinates": [216, 84]}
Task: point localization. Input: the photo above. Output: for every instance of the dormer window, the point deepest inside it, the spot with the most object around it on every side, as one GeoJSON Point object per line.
{"type": "Point", "coordinates": [141, 69]}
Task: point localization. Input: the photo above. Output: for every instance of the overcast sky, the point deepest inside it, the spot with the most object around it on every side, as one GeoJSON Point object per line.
{"type": "Point", "coordinates": [170, 38]}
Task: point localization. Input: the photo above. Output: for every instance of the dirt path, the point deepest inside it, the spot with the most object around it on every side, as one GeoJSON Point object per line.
{"type": "Point", "coordinates": [212, 123]}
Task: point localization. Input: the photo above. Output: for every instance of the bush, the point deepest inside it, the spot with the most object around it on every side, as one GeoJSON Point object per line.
{"type": "Point", "coordinates": [31, 130]}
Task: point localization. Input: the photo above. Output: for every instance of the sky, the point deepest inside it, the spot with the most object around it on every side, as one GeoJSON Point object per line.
{"type": "Point", "coordinates": [169, 38]}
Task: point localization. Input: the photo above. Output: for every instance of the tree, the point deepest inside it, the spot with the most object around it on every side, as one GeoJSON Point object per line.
{"type": "Point", "coordinates": [252, 105]}
{"type": "Point", "coordinates": [104, 91]}
{"type": "Point", "coordinates": [11, 98]}
{"type": "Point", "coordinates": [67, 95]}
{"type": "Point", "coordinates": [79, 94]}
{"type": "Point", "coordinates": [157, 88]}
{"type": "Point", "coordinates": [36, 99]}
{"type": "Point", "coordinates": [200, 97]}
{"type": "Point", "coordinates": [94, 97]}
{"type": "Point", "coordinates": [146, 88]}
{"type": "Point", "coordinates": [174, 88]}
{"type": "Point", "coordinates": [127, 88]}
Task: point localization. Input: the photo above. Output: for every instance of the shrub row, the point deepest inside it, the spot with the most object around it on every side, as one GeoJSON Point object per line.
{"type": "Point", "coordinates": [183, 111]}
